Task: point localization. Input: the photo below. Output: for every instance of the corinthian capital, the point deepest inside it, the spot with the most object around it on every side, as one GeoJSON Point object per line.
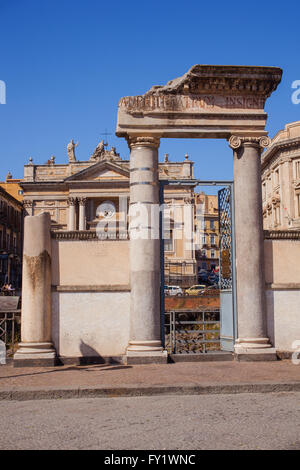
{"type": "Point", "coordinates": [28, 203]}
{"type": "Point", "coordinates": [236, 141]}
{"type": "Point", "coordinates": [72, 201]}
{"type": "Point", "coordinates": [134, 142]}
{"type": "Point", "coordinates": [82, 201]}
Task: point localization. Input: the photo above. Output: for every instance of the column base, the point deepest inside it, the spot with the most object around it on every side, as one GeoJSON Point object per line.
{"type": "Point", "coordinates": [146, 352]}
{"type": "Point", "coordinates": [35, 354]}
{"type": "Point", "coordinates": [254, 349]}
{"type": "Point", "coordinates": [252, 343]}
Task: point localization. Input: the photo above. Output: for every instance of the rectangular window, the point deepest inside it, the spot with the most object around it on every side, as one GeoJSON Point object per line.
{"type": "Point", "coordinates": [212, 239]}
{"type": "Point", "coordinates": [203, 239]}
{"type": "Point", "coordinates": [212, 253]}
{"type": "Point", "coordinates": [212, 224]}
{"type": "Point", "coordinates": [168, 242]}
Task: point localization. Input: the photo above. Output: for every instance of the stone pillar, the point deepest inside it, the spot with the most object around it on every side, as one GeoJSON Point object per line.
{"type": "Point", "coordinates": [72, 213]}
{"type": "Point", "coordinates": [36, 346]}
{"type": "Point", "coordinates": [145, 336]}
{"type": "Point", "coordinates": [82, 218]}
{"type": "Point", "coordinates": [251, 309]}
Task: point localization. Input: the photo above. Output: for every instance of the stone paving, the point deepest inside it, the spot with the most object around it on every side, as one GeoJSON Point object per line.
{"type": "Point", "coordinates": [178, 374]}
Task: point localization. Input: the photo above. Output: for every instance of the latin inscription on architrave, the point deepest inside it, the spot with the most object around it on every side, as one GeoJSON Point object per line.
{"type": "Point", "coordinates": [190, 103]}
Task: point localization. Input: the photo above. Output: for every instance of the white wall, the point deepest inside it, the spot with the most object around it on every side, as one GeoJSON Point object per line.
{"type": "Point", "coordinates": [282, 266]}
{"type": "Point", "coordinates": [90, 323]}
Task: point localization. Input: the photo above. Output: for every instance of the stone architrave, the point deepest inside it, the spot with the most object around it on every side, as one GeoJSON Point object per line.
{"type": "Point", "coordinates": [209, 101]}
{"type": "Point", "coordinates": [217, 101]}
{"type": "Point", "coordinates": [36, 344]}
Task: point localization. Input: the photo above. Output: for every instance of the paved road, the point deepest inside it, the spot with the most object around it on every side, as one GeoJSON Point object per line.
{"type": "Point", "coordinates": [245, 421]}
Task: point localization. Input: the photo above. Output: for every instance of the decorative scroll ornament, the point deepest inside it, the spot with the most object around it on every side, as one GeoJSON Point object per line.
{"type": "Point", "coordinates": [236, 141]}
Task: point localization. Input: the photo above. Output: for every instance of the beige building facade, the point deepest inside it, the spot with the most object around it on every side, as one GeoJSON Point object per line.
{"type": "Point", "coordinates": [11, 231]}
{"type": "Point", "coordinates": [207, 223]}
{"type": "Point", "coordinates": [281, 180]}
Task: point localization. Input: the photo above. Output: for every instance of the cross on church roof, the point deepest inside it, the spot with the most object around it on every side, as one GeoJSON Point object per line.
{"type": "Point", "coordinates": [105, 134]}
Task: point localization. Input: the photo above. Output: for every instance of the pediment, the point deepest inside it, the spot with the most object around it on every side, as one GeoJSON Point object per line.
{"type": "Point", "coordinates": [101, 171]}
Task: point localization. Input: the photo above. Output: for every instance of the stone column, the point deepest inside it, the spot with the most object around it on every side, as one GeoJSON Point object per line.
{"type": "Point", "coordinates": [36, 346]}
{"type": "Point", "coordinates": [82, 219]}
{"type": "Point", "coordinates": [72, 213]}
{"type": "Point", "coordinates": [145, 337]}
{"type": "Point", "coordinates": [251, 308]}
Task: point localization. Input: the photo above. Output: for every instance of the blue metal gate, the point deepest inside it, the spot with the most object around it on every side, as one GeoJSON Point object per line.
{"type": "Point", "coordinates": [226, 270]}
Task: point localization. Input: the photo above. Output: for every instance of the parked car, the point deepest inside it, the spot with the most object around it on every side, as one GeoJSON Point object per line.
{"type": "Point", "coordinates": [213, 279]}
{"type": "Point", "coordinates": [203, 276]}
{"type": "Point", "coordinates": [173, 290]}
{"type": "Point", "coordinates": [197, 289]}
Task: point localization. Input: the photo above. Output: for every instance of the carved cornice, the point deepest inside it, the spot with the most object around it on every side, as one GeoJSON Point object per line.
{"type": "Point", "coordinates": [282, 234]}
{"type": "Point", "coordinates": [236, 141]}
{"type": "Point", "coordinates": [224, 79]}
{"type": "Point", "coordinates": [281, 146]}
{"type": "Point", "coordinates": [83, 235]}
{"type": "Point", "coordinates": [135, 142]}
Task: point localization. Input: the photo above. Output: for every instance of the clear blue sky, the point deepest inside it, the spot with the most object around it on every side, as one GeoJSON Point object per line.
{"type": "Point", "coordinates": [66, 64]}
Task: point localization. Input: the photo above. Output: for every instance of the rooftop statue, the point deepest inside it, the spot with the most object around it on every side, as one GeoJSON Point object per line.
{"type": "Point", "coordinates": [98, 152]}
{"type": "Point", "coordinates": [71, 150]}
{"type": "Point", "coordinates": [101, 154]}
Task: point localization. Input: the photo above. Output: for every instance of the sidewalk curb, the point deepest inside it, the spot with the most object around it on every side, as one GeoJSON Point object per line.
{"type": "Point", "coordinates": [19, 394]}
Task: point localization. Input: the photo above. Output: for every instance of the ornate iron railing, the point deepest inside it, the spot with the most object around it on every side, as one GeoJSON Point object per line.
{"type": "Point", "coordinates": [192, 332]}
{"type": "Point", "coordinates": [10, 329]}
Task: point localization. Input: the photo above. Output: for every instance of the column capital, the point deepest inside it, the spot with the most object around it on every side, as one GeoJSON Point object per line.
{"type": "Point", "coordinates": [71, 201]}
{"type": "Point", "coordinates": [28, 203]}
{"type": "Point", "coordinates": [236, 141]}
{"type": "Point", "coordinates": [144, 141]}
{"type": "Point", "coordinates": [82, 201]}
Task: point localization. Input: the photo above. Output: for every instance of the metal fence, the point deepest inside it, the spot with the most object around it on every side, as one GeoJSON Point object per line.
{"type": "Point", "coordinates": [10, 330]}
{"type": "Point", "coordinates": [192, 331]}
